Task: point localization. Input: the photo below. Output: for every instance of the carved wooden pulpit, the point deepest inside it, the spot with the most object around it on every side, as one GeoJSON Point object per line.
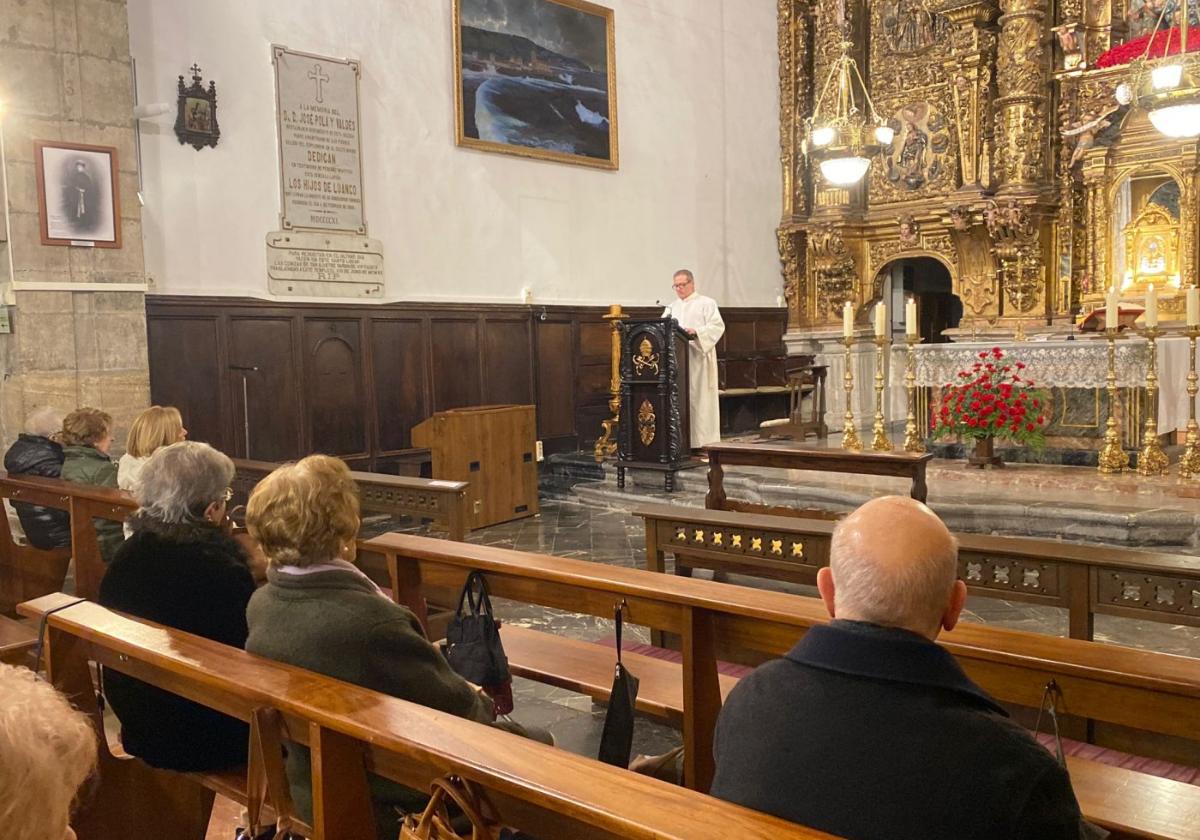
{"type": "Point", "coordinates": [654, 432]}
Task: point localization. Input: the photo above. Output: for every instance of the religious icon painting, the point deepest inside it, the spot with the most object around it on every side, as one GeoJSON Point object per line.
{"type": "Point", "coordinates": [536, 78]}
{"type": "Point", "coordinates": [78, 194]}
{"type": "Point", "coordinates": [918, 154]}
{"type": "Point", "coordinates": [196, 114]}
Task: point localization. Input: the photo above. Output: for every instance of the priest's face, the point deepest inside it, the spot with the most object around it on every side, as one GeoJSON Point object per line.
{"type": "Point", "coordinates": [683, 285]}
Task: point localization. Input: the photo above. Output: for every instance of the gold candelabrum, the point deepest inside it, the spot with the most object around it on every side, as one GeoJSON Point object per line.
{"type": "Point", "coordinates": [880, 442]}
{"type": "Point", "coordinates": [1189, 463]}
{"type": "Point", "coordinates": [606, 444]}
{"type": "Point", "coordinates": [1113, 458]}
{"type": "Point", "coordinates": [1152, 460]}
{"type": "Point", "coordinates": [912, 439]}
{"type": "Point", "coordinates": [850, 439]}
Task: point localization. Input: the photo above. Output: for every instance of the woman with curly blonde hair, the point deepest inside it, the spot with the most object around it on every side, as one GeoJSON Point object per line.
{"type": "Point", "coordinates": [47, 750]}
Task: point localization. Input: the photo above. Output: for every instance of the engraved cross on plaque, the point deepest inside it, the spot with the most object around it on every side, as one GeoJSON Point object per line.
{"type": "Point", "coordinates": [320, 77]}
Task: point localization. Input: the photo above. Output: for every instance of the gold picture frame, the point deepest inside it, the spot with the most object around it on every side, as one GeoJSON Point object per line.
{"type": "Point", "coordinates": [552, 98]}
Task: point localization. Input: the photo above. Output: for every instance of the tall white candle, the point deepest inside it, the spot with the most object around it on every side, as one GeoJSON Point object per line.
{"type": "Point", "coordinates": [848, 320]}
{"type": "Point", "coordinates": [1193, 307]}
{"type": "Point", "coordinates": [1111, 307]}
{"type": "Point", "coordinates": [910, 317]}
{"type": "Point", "coordinates": [880, 319]}
{"type": "Point", "coordinates": [1151, 306]}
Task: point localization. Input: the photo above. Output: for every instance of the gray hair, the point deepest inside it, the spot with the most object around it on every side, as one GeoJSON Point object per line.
{"type": "Point", "coordinates": [44, 421]}
{"type": "Point", "coordinates": [686, 273]}
{"type": "Point", "coordinates": [179, 481]}
{"type": "Point", "coordinates": [911, 595]}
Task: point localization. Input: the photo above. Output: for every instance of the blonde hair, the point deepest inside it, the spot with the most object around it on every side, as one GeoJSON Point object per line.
{"type": "Point", "coordinates": [47, 749]}
{"type": "Point", "coordinates": [156, 427]}
{"type": "Point", "coordinates": [86, 426]}
{"type": "Point", "coordinates": [305, 513]}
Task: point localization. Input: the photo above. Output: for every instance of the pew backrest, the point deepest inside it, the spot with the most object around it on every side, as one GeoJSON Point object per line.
{"type": "Point", "coordinates": [1139, 689]}
{"type": "Point", "coordinates": [540, 789]}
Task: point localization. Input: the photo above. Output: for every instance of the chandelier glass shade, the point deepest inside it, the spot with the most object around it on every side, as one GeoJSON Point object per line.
{"type": "Point", "coordinates": [1162, 88]}
{"type": "Point", "coordinates": [845, 132]}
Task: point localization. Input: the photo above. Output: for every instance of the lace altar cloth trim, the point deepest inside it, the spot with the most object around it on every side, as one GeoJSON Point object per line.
{"type": "Point", "coordinates": [1073, 364]}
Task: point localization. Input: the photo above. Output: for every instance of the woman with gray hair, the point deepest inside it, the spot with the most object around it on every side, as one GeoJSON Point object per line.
{"type": "Point", "coordinates": [180, 569]}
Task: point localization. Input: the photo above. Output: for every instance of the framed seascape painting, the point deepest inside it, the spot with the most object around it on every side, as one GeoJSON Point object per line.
{"type": "Point", "coordinates": [536, 78]}
{"type": "Point", "coordinates": [78, 197]}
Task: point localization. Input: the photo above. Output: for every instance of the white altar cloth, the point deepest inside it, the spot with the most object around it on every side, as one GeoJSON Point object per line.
{"type": "Point", "coordinates": [1082, 363]}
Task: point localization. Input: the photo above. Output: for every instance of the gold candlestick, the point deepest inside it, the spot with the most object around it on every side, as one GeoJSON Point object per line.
{"type": "Point", "coordinates": [1189, 463]}
{"type": "Point", "coordinates": [880, 442]}
{"type": "Point", "coordinates": [1112, 457]}
{"type": "Point", "coordinates": [912, 440]}
{"type": "Point", "coordinates": [849, 434]}
{"type": "Point", "coordinates": [606, 444]}
{"type": "Point", "coordinates": [1152, 460]}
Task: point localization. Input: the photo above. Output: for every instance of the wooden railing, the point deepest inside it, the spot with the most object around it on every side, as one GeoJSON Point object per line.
{"type": "Point", "coordinates": [1121, 687]}
{"type": "Point", "coordinates": [1085, 580]}
{"type": "Point", "coordinates": [798, 457]}
{"type": "Point", "coordinates": [444, 502]}
{"type": "Point", "coordinates": [544, 791]}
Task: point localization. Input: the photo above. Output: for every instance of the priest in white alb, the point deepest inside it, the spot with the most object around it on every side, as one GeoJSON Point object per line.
{"type": "Point", "coordinates": [698, 316]}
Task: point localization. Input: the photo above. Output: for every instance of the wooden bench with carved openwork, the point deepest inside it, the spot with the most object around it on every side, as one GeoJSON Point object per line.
{"type": "Point", "coordinates": [798, 457]}
{"type": "Point", "coordinates": [1120, 689]}
{"type": "Point", "coordinates": [1085, 580]}
{"type": "Point", "coordinates": [350, 730]}
{"type": "Point", "coordinates": [444, 502]}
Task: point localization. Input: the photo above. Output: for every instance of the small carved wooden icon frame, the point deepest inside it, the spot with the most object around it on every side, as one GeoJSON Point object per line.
{"type": "Point", "coordinates": [196, 117]}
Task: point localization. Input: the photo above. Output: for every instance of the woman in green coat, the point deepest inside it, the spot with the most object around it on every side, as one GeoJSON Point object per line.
{"type": "Point", "coordinates": [87, 437]}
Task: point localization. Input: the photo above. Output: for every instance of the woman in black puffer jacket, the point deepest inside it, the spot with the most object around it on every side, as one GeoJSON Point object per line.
{"type": "Point", "coordinates": [37, 453]}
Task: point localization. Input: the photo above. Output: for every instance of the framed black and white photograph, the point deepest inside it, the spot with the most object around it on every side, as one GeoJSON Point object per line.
{"type": "Point", "coordinates": [78, 194]}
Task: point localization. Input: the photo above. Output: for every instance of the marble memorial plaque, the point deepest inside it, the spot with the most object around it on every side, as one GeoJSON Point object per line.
{"type": "Point", "coordinates": [324, 265]}
{"type": "Point", "coordinates": [320, 148]}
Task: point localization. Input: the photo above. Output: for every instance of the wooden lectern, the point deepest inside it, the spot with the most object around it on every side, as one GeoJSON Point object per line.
{"type": "Point", "coordinates": [492, 447]}
{"type": "Point", "coordinates": [654, 432]}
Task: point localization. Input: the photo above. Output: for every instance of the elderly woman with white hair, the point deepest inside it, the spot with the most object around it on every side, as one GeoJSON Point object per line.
{"type": "Point", "coordinates": [38, 452]}
{"type": "Point", "coordinates": [180, 569]}
{"type": "Point", "coordinates": [47, 750]}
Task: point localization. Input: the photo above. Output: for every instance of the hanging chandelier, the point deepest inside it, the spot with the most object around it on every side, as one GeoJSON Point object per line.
{"type": "Point", "coordinates": [1161, 87]}
{"type": "Point", "coordinates": [842, 137]}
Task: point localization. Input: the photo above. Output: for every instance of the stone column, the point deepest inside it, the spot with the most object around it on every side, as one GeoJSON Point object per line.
{"type": "Point", "coordinates": [66, 73]}
{"type": "Point", "coordinates": [1022, 81]}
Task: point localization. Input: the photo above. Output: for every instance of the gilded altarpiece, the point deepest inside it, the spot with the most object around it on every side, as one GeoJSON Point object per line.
{"type": "Point", "coordinates": [1010, 163]}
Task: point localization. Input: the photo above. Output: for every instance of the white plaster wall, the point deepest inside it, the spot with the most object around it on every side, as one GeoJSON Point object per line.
{"type": "Point", "coordinates": [699, 183]}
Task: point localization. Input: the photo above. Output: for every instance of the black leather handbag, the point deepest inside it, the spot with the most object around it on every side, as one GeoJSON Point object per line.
{"type": "Point", "coordinates": [473, 646]}
{"type": "Point", "coordinates": [616, 740]}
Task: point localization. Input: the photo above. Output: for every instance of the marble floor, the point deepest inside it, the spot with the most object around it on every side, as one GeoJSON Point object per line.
{"type": "Point", "coordinates": [569, 528]}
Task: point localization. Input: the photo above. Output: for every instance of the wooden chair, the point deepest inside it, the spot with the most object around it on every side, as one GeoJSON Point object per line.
{"type": "Point", "coordinates": [808, 380]}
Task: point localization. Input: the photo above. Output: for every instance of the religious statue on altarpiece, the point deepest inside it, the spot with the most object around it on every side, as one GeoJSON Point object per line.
{"type": "Point", "coordinates": [908, 26]}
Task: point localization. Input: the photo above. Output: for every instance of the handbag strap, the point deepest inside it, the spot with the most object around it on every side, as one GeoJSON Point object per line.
{"type": "Point", "coordinates": [1051, 695]}
{"type": "Point", "coordinates": [477, 605]}
{"type": "Point", "coordinates": [469, 799]}
{"type": "Point", "coordinates": [43, 624]}
{"type": "Point", "coordinates": [484, 605]}
{"type": "Point", "coordinates": [619, 619]}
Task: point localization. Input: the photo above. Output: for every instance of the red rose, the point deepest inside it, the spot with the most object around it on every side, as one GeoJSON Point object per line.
{"type": "Point", "coordinates": [1029, 427]}
{"type": "Point", "coordinates": [1020, 366]}
{"type": "Point", "coordinates": [983, 354]}
{"type": "Point", "coordinates": [971, 421]}
{"type": "Point", "coordinates": [1041, 420]}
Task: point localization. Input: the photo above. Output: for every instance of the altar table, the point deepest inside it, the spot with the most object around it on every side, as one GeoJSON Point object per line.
{"type": "Point", "coordinates": [1082, 363]}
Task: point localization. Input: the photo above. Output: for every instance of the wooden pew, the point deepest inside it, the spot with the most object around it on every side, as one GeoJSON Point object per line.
{"type": "Point", "coordinates": [445, 502]}
{"type": "Point", "coordinates": [1151, 692]}
{"type": "Point", "coordinates": [350, 730]}
{"type": "Point", "coordinates": [798, 457]}
{"type": "Point", "coordinates": [1085, 580]}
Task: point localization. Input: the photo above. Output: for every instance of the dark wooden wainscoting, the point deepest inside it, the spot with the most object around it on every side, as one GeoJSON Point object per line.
{"type": "Point", "coordinates": [274, 381]}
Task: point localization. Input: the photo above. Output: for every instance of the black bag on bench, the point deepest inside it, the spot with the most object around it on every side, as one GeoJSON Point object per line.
{"type": "Point", "coordinates": [473, 646]}
{"type": "Point", "coordinates": [616, 741]}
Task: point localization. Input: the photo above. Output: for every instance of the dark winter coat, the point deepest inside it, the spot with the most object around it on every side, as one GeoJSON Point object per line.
{"type": "Point", "coordinates": [44, 527]}
{"type": "Point", "coordinates": [193, 578]}
{"type": "Point", "coordinates": [872, 732]}
{"type": "Point", "coordinates": [88, 465]}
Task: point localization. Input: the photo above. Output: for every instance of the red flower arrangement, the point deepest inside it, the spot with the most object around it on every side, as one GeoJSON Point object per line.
{"type": "Point", "coordinates": [993, 399]}
{"type": "Point", "coordinates": [1166, 42]}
